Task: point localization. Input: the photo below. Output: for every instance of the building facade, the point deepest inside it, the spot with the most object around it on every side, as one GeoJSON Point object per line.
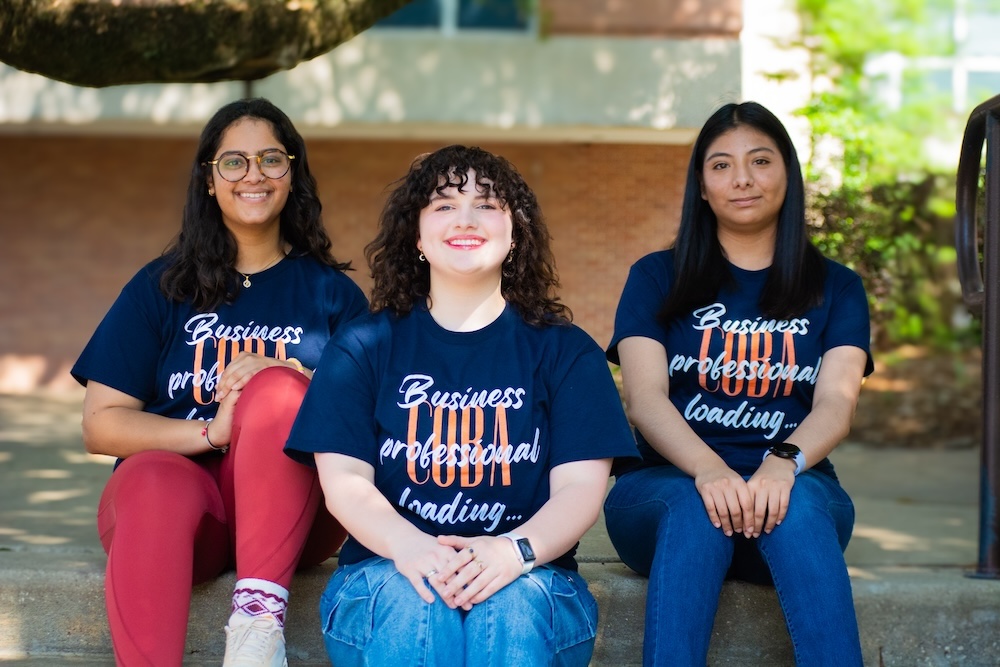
{"type": "Point", "coordinates": [597, 102]}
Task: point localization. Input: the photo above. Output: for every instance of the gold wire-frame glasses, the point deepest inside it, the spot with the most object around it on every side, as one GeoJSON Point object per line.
{"type": "Point", "coordinates": [234, 166]}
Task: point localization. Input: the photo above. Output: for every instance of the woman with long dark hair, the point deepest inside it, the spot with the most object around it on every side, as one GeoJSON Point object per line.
{"type": "Point", "coordinates": [742, 353]}
{"type": "Point", "coordinates": [463, 434]}
{"type": "Point", "coordinates": [193, 380]}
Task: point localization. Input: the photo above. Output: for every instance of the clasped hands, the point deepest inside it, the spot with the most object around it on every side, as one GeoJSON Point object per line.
{"type": "Point", "coordinates": [751, 506]}
{"type": "Point", "coordinates": [464, 571]}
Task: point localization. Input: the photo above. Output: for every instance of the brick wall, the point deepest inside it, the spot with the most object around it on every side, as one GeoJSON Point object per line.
{"type": "Point", "coordinates": [644, 17]}
{"type": "Point", "coordinates": [81, 215]}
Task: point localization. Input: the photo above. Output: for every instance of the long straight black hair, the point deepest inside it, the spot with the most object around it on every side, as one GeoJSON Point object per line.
{"type": "Point", "coordinates": [795, 280]}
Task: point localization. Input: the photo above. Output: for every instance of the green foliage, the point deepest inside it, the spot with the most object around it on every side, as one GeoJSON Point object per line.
{"type": "Point", "coordinates": [897, 236]}
{"type": "Point", "coordinates": [876, 203]}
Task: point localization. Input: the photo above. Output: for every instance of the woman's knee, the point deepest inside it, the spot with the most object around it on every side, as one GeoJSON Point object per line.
{"type": "Point", "coordinates": [267, 408]}
{"type": "Point", "coordinates": [537, 616]}
{"type": "Point", "coordinates": [818, 500]}
{"type": "Point", "coordinates": [816, 523]}
{"type": "Point", "coordinates": [666, 484]}
{"type": "Point", "coordinates": [367, 599]}
{"type": "Point", "coordinates": [657, 515]}
{"type": "Point", "coordinates": [275, 387]}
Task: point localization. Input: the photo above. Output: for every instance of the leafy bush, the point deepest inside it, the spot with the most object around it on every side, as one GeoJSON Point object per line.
{"type": "Point", "coordinates": [899, 237]}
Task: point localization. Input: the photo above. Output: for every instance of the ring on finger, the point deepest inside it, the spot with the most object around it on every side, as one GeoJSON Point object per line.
{"type": "Point", "coordinates": [430, 573]}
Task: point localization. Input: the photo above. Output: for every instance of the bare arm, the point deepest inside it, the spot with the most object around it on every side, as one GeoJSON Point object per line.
{"type": "Point", "coordinates": [577, 490]}
{"type": "Point", "coordinates": [834, 402]}
{"type": "Point", "coordinates": [115, 424]}
{"type": "Point", "coordinates": [828, 422]}
{"type": "Point", "coordinates": [646, 384]}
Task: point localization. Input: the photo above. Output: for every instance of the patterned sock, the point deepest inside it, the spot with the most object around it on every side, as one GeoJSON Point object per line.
{"type": "Point", "coordinates": [254, 597]}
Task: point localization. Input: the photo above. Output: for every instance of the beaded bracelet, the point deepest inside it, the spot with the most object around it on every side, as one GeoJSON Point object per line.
{"type": "Point", "coordinates": [223, 449]}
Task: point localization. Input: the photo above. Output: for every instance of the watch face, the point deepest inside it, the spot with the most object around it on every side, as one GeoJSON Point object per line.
{"type": "Point", "coordinates": [785, 450]}
{"type": "Point", "coordinates": [527, 553]}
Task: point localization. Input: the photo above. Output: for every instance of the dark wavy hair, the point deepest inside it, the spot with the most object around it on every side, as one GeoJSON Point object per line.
{"type": "Point", "coordinates": [202, 258]}
{"type": "Point", "coordinates": [529, 280]}
{"type": "Point", "coordinates": [795, 281]}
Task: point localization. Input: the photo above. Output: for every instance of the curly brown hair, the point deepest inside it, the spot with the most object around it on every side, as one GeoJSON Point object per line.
{"type": "Point", "coordinates": [529, 279]}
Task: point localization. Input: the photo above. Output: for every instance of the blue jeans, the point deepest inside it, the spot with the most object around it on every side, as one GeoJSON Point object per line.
{"type": "Point", "coordinates": [658, 523]}
{"type": "Point", "coordinates": [372, 616]}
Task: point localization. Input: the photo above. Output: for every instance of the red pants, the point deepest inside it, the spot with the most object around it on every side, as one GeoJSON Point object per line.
{"type": "Point", "coordinates": [168, 522]}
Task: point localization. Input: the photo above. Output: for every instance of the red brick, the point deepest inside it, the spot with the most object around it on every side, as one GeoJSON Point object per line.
{"type": "Point", "coordinates": [85, 213]}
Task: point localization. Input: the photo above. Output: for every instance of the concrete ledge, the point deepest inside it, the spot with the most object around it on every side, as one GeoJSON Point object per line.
{"type": "Point", "coordinates": [52, 612]}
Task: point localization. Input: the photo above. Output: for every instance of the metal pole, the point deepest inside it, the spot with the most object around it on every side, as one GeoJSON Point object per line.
{"type": "Point", "coordinates": [989, 529]}
{"type": "Point", "coordinates": [984, 290]}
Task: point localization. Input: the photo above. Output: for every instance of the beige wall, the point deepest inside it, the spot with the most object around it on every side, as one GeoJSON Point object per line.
{"type": "Point", "coordinates": [81, 215]}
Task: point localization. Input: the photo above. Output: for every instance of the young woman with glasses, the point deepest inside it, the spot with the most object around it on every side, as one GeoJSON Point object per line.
{"type": "Point", "coordinates": [463, 434]}
{"type": "Point", "coordinates": [193, 380]}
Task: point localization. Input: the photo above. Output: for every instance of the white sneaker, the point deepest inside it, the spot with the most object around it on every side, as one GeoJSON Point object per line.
{"type": "Point", "coordinates": [254, 641]}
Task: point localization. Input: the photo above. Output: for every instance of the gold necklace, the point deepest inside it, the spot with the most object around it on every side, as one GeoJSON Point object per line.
{"type": "Point", "coordinates": [246, 276]}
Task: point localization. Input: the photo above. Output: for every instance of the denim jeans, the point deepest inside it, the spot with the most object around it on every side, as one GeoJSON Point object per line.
{"type": "Point", "coordinates": [372, 616]}
{"type": "Point", "coordinates": [658, 523]}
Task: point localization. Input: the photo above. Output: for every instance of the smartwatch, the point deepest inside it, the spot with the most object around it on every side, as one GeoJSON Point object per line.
{"type": "Point", "coordinates": [523, 550]}
{"type": "Point", "coordinates": [787, 450]}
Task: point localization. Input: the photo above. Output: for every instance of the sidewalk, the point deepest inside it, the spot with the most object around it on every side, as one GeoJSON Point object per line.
{"type": "Point", "coordinates": [916, 537]}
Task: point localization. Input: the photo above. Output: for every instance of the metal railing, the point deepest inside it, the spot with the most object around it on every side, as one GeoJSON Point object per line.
{"type": "Point", "coordinates": [979, 273]}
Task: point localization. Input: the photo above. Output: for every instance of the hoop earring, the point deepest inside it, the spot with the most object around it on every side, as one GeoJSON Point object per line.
{"type": "Point", "coordinates": [211, 192]}
{"type": "Point", "coordinates": [421, 257]}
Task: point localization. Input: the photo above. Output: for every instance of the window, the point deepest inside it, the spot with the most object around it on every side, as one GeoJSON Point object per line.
{"type": "Point", "coordinates": [451, 15]}
{"type": "Point", "coordinates": [417, 14]}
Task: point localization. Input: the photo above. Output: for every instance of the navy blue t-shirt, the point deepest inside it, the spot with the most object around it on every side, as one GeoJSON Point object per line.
{"type": "Point", "coordinates": [741, 381]}
{"type": "Point", "coordinates": [170, 356]}
{"type": "Point", "coordinates": [462, 428]}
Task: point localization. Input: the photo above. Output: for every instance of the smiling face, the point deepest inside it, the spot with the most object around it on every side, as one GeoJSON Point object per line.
{"type": "Point", "coordinates": [744, 181]}
{"type": "Point", "coordinates": [465, 233]}
{"type": "Point", "coordinates": [255, 200]}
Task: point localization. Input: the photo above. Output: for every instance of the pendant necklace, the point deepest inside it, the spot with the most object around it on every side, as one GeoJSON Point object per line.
{"type": "Point", "coordinates": [246, 276]}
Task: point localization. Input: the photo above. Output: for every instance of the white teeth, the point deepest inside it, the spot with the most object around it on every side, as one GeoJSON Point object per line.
{"type": "Point", "coordinates": [253, 195]}
{"type": "Point", "coordinates": [466, 242]}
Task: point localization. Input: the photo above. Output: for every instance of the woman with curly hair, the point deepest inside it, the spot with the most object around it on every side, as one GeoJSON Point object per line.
{"type": "Point", "coordinates": [463, 432]}
{"type": "Point", "coordinates": [193, 380]}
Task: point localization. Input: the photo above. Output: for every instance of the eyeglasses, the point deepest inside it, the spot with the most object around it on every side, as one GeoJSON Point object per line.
{"type": "Point", "coordinates": [235, 166]}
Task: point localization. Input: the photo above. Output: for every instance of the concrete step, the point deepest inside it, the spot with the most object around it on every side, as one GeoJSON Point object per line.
{"type": "Point", "coordinates": [52, 613]}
